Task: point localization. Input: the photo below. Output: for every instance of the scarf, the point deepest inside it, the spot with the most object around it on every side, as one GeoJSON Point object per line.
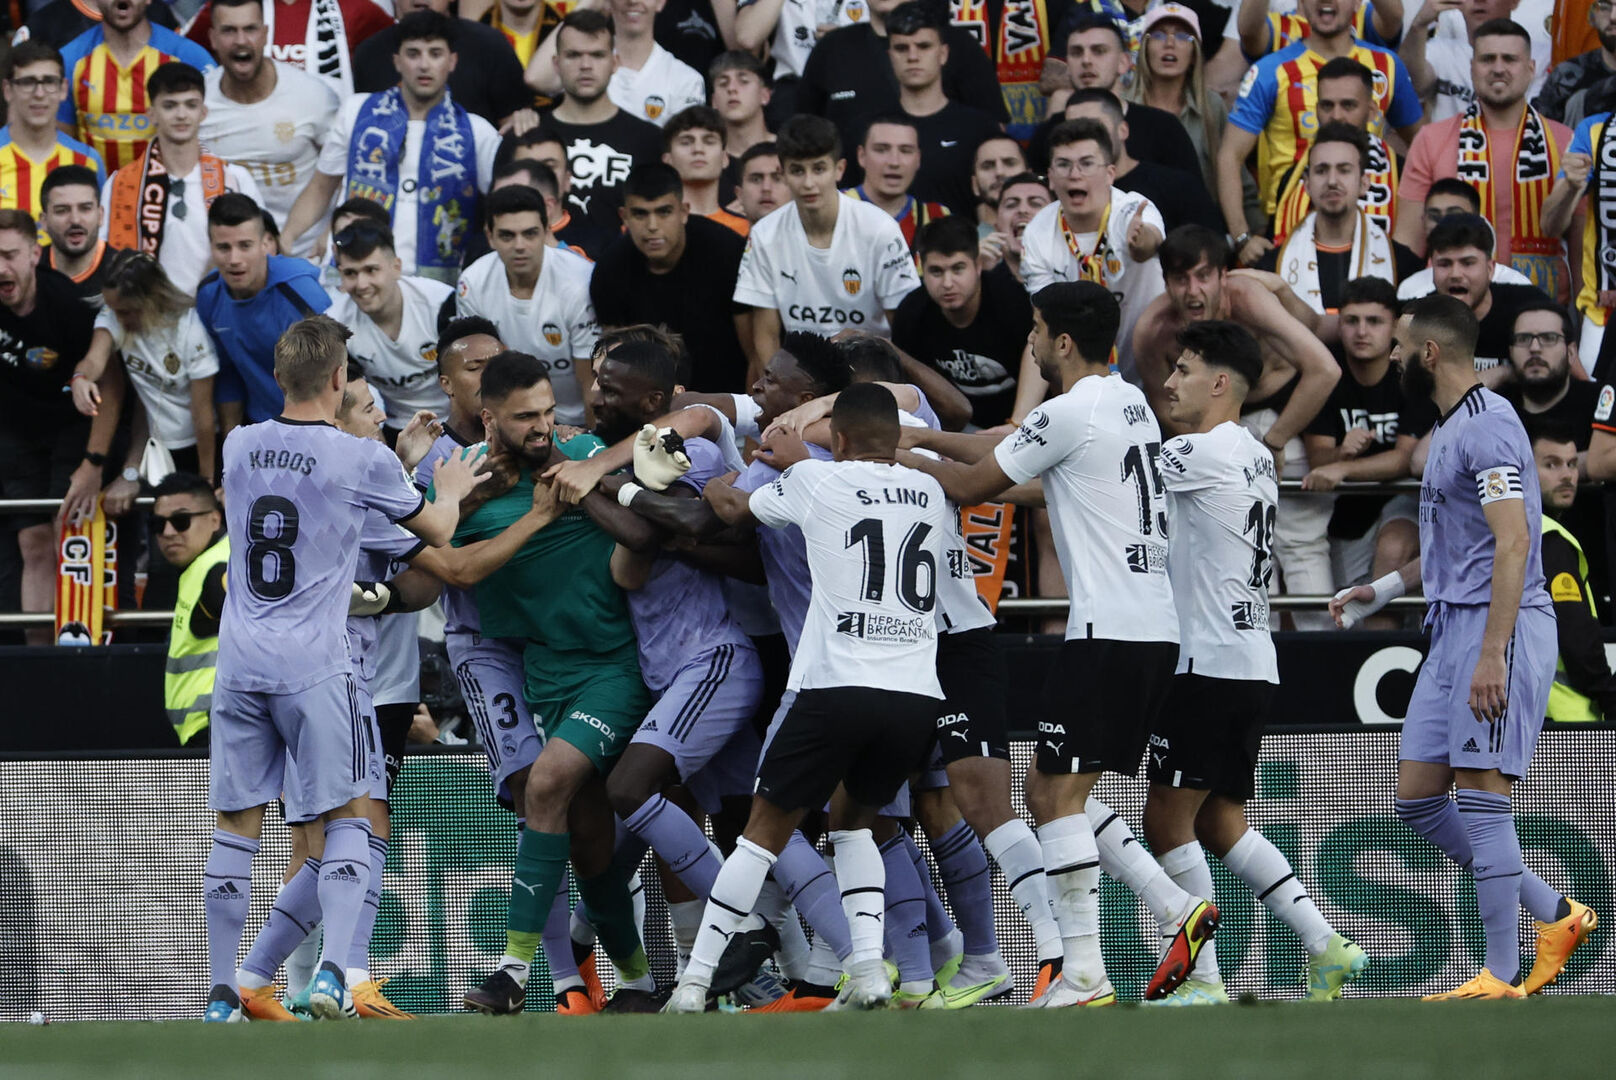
{"type": "Point", "coordinates": [1602, 184]}
{"type": "Point", "coordinates": [1299, 264]}
{"type": "Point", "coordinates": [1537, 161]}
{"type": "Point", "coordinates": [1017, 51]}
{"type": "Point", "coordinates": [1095, 265]}
{"type": "Point", "coordinates": [446, 185]}
{"type": "Point", "coordinates": [1379, 199]}
{"type": "Point", "coordinates": [137, 210]}
{"type": "Point", "coordinates": [325, 43]}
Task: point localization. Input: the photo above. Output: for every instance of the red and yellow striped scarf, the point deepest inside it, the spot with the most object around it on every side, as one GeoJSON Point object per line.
{"type": "Point", "coordinates": [1536, 163]}
{"type": "Point", "coordinates": [1090, 267]}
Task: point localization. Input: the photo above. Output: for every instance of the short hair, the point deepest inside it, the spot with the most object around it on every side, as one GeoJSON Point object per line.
{"type": "Point", "coordinates": [33, 51]}
{"type": "Point", "coordinates": [427, 25]}
{"type": "Point", "coordinates": [510, 371]}
{"type": "Point", "coordinates": [952, 235]}
{"type": "Point", "coordinates": [1461, 231]}
{"type": "Point", "coordinates": [1085, 19]}
{"type": "Point", "coordinates": [306, 354]}
{"type": "Point", "coordinates": [460, 329]}
{"type": "Point", "coordinates": [272, 228]}
{"type": "Point", "coordinates": [1339, 131]}
{"type": "Point", "coordinates": [870, 359]}
{"type": "Point", "coordinates": [184, 483]}
{"type": "Point", "coordinates": [1184, 247]}
{"type": "Point", "coordinates": [361, 239]}
{"type": "Point", "coordinates": [1093, 95]}
{"type": "Point", "coordinates": [68, 176]}
{"type": "Point", "coordinates": [648, 360]}
{"type": "Point", "coordinates": [1370, 290]}
{"type": "Point", "coordinates": [893, 119]}
{"type": "Point", "coordinates": [1543, 427]}
{"type": "Point", "coordinates": [693, 118]}
{"type": "Point", "coordinates": [589, 22]}
{"type": "Point", "coordinates": [1227, 345]}
{"type": "Point", "coordinates": [349, 397]}
{"type": "Point", "coordinates": [804, 138]}
{"type": "Point", "coordinates": [174, 77]}
{"type": "Point", "coordinates": [766, 148]}
{"type": "Point", "coordinates": [1345, 67]}
{"type": "Point", "coordinates": [1083, 311]}
{"type": "Point", "coordinates": [866, 413]}
{"type": "Point", "coordinates": [515, 200]}
{"type": "Point", "coordinates": [913, 16]}
{"type": "Point", "coordinates": [1567, 326]}
{"type": "Point", "coordinates": [1068, 132]}
{"type": "Point", "coordinates": [1022, 178]}
{"type": "Point", "coordinates": [819, 360]}
{"type": "Point", "coordinates": [237, 3]}
{"type": "Point", "coordinates": [657, 334]}
{"type": "Point", "coordinates": [538, 137]}
{"type": "Point", "coordinates": [517, 166]}
{"type": "Point", "coordinates": [653, 180]}
{"type": "Point", "coordinates": [998, 136]}
{"type": "Point", "coordinates": [1452, 185]}
{"type": "Point", "coordinates": [1445, 319]}
{"type": "Point", "coordinates": [1503, 28]}
{"type": "Point", "coordinates": [736, 60]}
{"type": "Point", "coordinates": [361, 207]}
{"type": "Point", "coordinates": [233, 208]}
{"type": "Point", "coordinates": [19, 221]}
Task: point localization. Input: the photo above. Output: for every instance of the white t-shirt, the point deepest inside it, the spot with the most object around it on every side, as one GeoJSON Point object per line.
{"type": "Point", "coordinates": [875, 537]}
{"type": "Point", "coordinates": [1046, 259]}
{"type": "Point", "coordinates": [1450, 63]}
{"type": "Point", "coordinates": [1423, 282]}
{"type": "Point", "coordinates": [556, 324]}
{"type": "Point", "coordinates": [664, 86]}
{"type": "Point", "coordinates": [185, 254]}
{"type": "Point", "coordinates": [277, 140]}
{"type": "Point", "coordinates": [162, 363]}
{"type": "Point", "coordinates": [866, 271]}
{"type": "Point", "coordinates": [794, 33]}
{"type": "Point", "coordinates": [405, 371]}
{"type": "Point", "coordinates": [1222, 497]}
{"type": "Point", "coordinates": [959, 605]}
{"type": "Point", "coordinates": [1096, 447]}
{"type": "Point", "coordinates": [334, 162]}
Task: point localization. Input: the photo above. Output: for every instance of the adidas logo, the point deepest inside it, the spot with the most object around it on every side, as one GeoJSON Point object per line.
{"type": "Point", "coordinates": [344, 872]}
{"type": "Point", "coordinates": [1470, 747]}
{"type": "Point", "coordinates": [918, 931]}
{"type": "Point", "coordinates": [227, 891]}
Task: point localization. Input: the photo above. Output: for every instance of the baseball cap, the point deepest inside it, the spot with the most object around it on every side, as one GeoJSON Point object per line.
{"type": "Point", "coordinates": [1171, 11]}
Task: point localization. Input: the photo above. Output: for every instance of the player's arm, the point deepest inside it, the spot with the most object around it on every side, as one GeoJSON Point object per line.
{"type": "Point", "coordinates": [732, 505]}
{"type": "Point", "coordinates": [310, 206]}
{"type": "Point", "coordinates": [1351, 606]}
{"type": "Point", "coordinates": [209, 607]}
{"type": "Point", "coordinates": [1312, 360]}
{"type": "Point", "coordinates": [679, 510]}
{"type": "Point", "coordinates": [463, 567]}
{"type": "Point", "coordinates": [1512, 542]}
{"type": "Point", "coordinates": [1582, 645]}
{"type": "Point", "coordinates": [1031, 387]}
{"type": "Point", "coordinates": [629, 529]}
{"type": "Point", "coordinates": [948, 401]}
{"type": "Point", "coordinates": [967, 448]}
{"type": "Point", "coordinates": [452, 480]}
{"type": "Point", "coordinates": [741, 561]}
{"type": "Point", "coordinates": [574, 479]}
{"type": "Point", "coordinates": [983, 481]}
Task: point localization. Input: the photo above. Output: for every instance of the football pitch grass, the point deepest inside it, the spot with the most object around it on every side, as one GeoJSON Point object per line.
{"type": "Point", "coordinates": [1550, 1037]}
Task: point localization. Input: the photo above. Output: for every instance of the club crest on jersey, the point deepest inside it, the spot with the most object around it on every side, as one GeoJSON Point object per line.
{"type": "Point", "coordinates": [852, 281]}
{"type": "Point", "coordinates": [171, 363]}
{"type": "Point", "coordinates": [654, 107]}
{"type": "Point", "coordinates": [285, 130]}
{"type": "Point", "coordinates": [854, 10]}
{"type": "Point", "coordinates": [40, 358]}
{"type": "Point", "coordinates": [552, 334]}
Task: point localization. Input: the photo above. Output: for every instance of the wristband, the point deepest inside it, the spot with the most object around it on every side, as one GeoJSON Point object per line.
{"type": "Point", "coordinates": [78, 375]}
{"type": "Point", "coordinates": [626, 493]}
{"type": "Point", "coordinates": [1240, 241]}
{"type": "Point", "coordinates": [1386, 590]}
{"type": "Point", "coordinates": [98, 460]}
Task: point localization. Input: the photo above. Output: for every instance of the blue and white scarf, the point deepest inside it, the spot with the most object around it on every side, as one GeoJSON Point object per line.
{"type": "Point", "coordinates": [446, 184]}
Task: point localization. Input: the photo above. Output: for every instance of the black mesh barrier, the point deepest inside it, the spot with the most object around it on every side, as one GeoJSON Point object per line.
{"type": "Point", "coordinates": [101, 867]}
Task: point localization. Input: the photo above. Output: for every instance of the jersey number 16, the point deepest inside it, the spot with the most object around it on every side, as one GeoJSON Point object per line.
{"type": "Point", "coordinates": [917, 567]}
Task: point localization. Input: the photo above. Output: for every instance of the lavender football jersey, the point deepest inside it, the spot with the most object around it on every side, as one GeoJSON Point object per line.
{"type": "Point", "coordinates": [298, 493]}
{"type": "Point", "coordinates": [681, 612]}
{"type": "Point", "coordinates": [1479, 455]}
{"type": "Point", "coordinates": [784, 553]}
{"type": "Point", "coordinates": [383, 550]}
{"type": "Point", "coordinates": [459, 605]}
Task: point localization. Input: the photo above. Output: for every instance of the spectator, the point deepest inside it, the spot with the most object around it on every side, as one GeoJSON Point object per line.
{"type": "Point", "coordinates": [762, 188]}
{"type": "Point", "coordinates": [1543, 355]}
{"type": "Point", "coordinates": [1178, 195]}
{"type": "Point", "coordinates": [648, 82]}
{"type": "Point", "coordinates": [693, 142]}
{"type": "Point", "coordinates": [740, 94]}
{"type": "Point", "coordinates": [486, 81]}
{"type": "Point", "coordinates": [996, 158]}
{"type": "Point", "coordinates": [571, 224]}
{"type": "Point", "coordinates": [246, 303]}
{"type": "Point", "coordinates": [524, 23]}
{"type": "Point", "coordinates": [1444, 67]}
{"type": "Point", "coordinates": [192, 539]}
{"type": "Point", "coordinates": [674, 268]}
{"type": "Point", "coordinates": [1170, 77]}
{"type": "Point", "coordinates": [1574, 194]}
{"type": "Point", "coordinates": [791, 31]}
{"type": "Point", "coordinates": [1020, 200]}
{"type": "Point", "coordinates": [1262, 28]}
{"type": "Point", "coordinates": [527, 173]}
{"type": "Point", "coordinates": [106, 67]}
{"type": "Point", "coordinates": [71, 196]}
{"type": "Point", "coordinates": [60, 21]}
{"type": "Point", "coordinates": [1578, 73]}
{"type": "Point", "coordinates": [317, 37]}
{"type": "Point", "coordinates": [269, 118]}
{"type": "Point", "coordinates": [1447, 197]}
{"type": "Point", "coordinates": [159, 203]}
{"type": "Point", "coordinates": [31, 144]}
{"type": "Point", "coordinates": [372, 142]}
{"type": "Point", "coordinates": [1462, 266]}
{"type": "Point", "coordinates": [889, 159]}
{"type": "Point", "coordinates": [1505, 149]}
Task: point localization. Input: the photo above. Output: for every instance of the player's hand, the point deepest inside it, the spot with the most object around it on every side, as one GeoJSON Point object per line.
{"type": "Point", "coordinates": [1489, 689]}
{"type": "Point", "coordinates": [1578, 167]}
{"type": "Point", "coordinates": [794, 422]}
{"type": "Point", "coordinates": [1351, 606]}
{"type": "Point", "coordinates": [369, 598]}
{"type": "Point", "coordinates": [1143, 238]}
{"type": "Point", "coordinates": [423, 729]}
{"type": "Point", "coordinates": [781, 448]}
{"type": "Point", "coordinates": [1324, 478]}
{"type": "Point", "coordinates": [457, 474]}
{"type": "Point", "coordinates": [119, 497]}
{"type": "Point", "coordinates": [415, 441]}
{"type": "Point", "coordinates": [1356, 442]}
{"type": "Point", "coordinates": [575, 479]}
{"type": "Point", "coordinates": [86, 395]}
{"type": "Point", "coordinates": [990, 250]}
{"type": "Point", "coordinates": [659, 457]}
{"type": "Point", "coordinates": [1254, 250]}
{"type": "Point", "coordinates": [547, 503]}
{"type": "Point", "coordinates": [78, 505]}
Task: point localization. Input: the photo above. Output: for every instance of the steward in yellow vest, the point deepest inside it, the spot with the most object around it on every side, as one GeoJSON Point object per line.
{"type": "Point", "coordinates": [191, 535]}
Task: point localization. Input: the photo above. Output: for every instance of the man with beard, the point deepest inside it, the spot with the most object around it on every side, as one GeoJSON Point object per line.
{"type": "Point", "coordinates": [1462, 266]}
{"type": "Point", "coordinates": [314, 36]}
{"type": "Point", "coordinates": [997, 158]}
{"type": "Point", "coordinates": [71, 201]}
{"type": "Point", "coordinates": [1542, 353]}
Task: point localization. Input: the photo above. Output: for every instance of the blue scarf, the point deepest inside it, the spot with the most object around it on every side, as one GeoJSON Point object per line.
{"type": "Point", "coordinates": [446, 185]}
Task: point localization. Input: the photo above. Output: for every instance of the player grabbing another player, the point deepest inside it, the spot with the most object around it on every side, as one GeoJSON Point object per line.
{"type": "Point", "coordinates": [1482, 692]}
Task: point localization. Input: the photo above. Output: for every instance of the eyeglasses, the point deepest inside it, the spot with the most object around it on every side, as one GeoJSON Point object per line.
{"type": "Point", "coordinates": [180, 519]}
{"type": "Point", "coordinates": [38, 84]}
{"type": "Point", "coordinates": [363, 231]}
{"type": "Point", "coordinates": [1086, 167]}
{"type": "Point", "coordinates": [1546, 337]}
{"type": "Point", "coordinates": [1180, 37]}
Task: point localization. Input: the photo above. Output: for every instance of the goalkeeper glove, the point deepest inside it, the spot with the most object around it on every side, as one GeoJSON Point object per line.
{"type": "Point", "coordinates": [659, 457]}
{"type": "Point", "coordinates": [369, 598]}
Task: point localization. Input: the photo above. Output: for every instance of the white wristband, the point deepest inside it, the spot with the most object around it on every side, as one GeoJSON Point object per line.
{"type": "Point", "coordinates": [626, 493]}
{"type": "Point", "coordinates": [1386, 589]}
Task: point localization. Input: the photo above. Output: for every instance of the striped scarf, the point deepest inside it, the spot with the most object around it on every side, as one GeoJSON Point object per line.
{"type": "Point", "coordinates": [1090, 267]}
{"type": "Point", "coordinates": [1379, 199]}
{"type": "Point", "coordinates": [1537, 161]}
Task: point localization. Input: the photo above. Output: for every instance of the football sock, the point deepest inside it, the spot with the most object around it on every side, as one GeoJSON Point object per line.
{"type": "Point", "coordinates": [541, 867]}
{"type": "Point", "coordinates": [679, 840]}
{"type": "Point", "coordinates": [1268, 874]}
{"type": "Point", "coordinates": [773, 905]}
{"type": "Point", "coordinates": [1186, 865]}
{"type": "Point", "coordinates": [344, 878]}
{"type": "Point", "coordinates": [636, 900]}
{"type": "Point", "coordinates": [558, 943]}
{"type": "Point", "coordinates": [939, 924]}
{"type": "Point", "coordinates": [227, 897]}
{"type": "Point", "coordinates": [611, 906]}
{"type": "Point", "coordinates": [824, 967]}
{"type": "Point", "coordinates": [810, 885]}
{"type": "Point", "coordinates": [861, 876]}
{"type": "Point", "coordinates": [1072, 867]}
{"type": "Point", "coordinates": [291, 921]}
{"type": "Point", "coordinates": [301, 963]}
{"type": "Point", "coordinates": [685, 918]}
{"type": "Point", "coordinates": [1436, 818]}
{"type": "Point", "coordinates": [1497, 870]}
{"type": "Point", "coordinates": [359, 951]}
{"type": "Point", "coordinates": [1015, 848]}
{"type": "Point", "coordinates": [1125, 859]}
{"type": "Point", "coordinates": [963, 867]}
{"type": "Point", "coordinates": [734, 894]}
{"type": "Point", "coordinates": [905, 913]}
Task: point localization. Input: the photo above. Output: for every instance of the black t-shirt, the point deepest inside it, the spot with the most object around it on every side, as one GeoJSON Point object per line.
{"type": "Point", "coordinates": [948, 141]}
{"type": "Point", "coordinates": [1492, 344]}
{"type": "Point", "coordinates": [1153, 135]}
{"type": "Point", "coordinates": [599, 156]}
{"type": "Point", "coordinates": [689, 30]}
{"type": "Point", "coordinates": [695, 300]}
{"type": "Point", "coordinates": [1381, 409]}
{"type": "Point", "coordinates": [88, 286]}
{"type": "Point", "coordinates": [487, 78]}
{"type": "Point", "coordinates": [38, 352]}
{"type": "Point", "coordinates": [60, 21]}
{"type": "Point", "coordinates": [982, 359]}
{"type": "Point", "coordinates": [1181, 197]}
{"type": "Point", "coordinates": [1575, 409]}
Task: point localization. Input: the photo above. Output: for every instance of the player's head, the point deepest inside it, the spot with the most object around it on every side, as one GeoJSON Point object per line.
{"type": "Point", "coordinates": [357, 413]}
{"type": "Point", "coordinates": [1195, 263]}
{"type": "Point", "coordinates": [1346, 93]}
{"type": "Point", "coordinates": [1368, 316]}
{"type": "Point", "coordinates": [1217, 368]}
{"type": "Point", "coordinates": [864, 423]}
{"type": "Point", "coordinates": [1335, 169]}
{"type": "Point", "coordinates": [693, 143]}
{"type": "Point", "coordinates": [763, 187]}
{"type": "Point", "coordinates": [1447, 197]}
{"type": "Point", "coordinates": [584, 61]}
{"type": "Point", "coordinates": [517, 230]}
{"type": "Point", "coordinates": [1020, 198]}
{"type": "Point", "coordinates": [311, 361]}
{"type": "Point", "coordinates": [1096, 51]}
{"type": "Point", "coordinates": [1074, 325]}
{"type": "Point", "coordinates": [176, 92]}
{"type": "Point", "coordinates": [187, 517]}
{"type": "Point", "coordinates": [425, 54]}
{"type": "Point", "coordinates": [518, 407]}
{"type": "Point", "coordinates": [890, 155]}
{"type": "Point", "coordinates": [654, 213]}
{"type": "Point", "coordinates": [1554, 448]}
{"type": "Point", "coordinates": [870, 359]}
{"type": "Point", "coordinates": [915, 43]}
{"type": "Point", "coordinates": [1461, 250]}
{"type": "Point", "coordinates": [240, 244]}
{"type": "Point", "coordinates": [71, 203]}
{"type": "Point", "coordinates": [546, 148]}
{"type": "Point", "coordinates": [34, 84]}
{"type": "Point", "coordinates": [811, 159]}
{"type": "Point", "coordinates": [740, 86]}
{"type": "Point", "coordinates": [1081, 166]}
{"type": "Point", "coordinates": [948, 250]}
{"type": "Point", "coordinates": [805, 366]}
{"type": "Point", "coordinates": [1542, 349]}
{"type": "Point", "coordinates": [1501, 66]}
{"type": "Point", "coordinates": [138, 292]}
{"type": "Point", "coordinates": [1435, 332]}
{"type": "Point", "coordinates": [655, 333]}
{"type": "Point", "coordinates": [996, 158]}
{"type": "Point", "coordinates": [634, 384]}
{"type": "Point", "coordinates": [367, 265]}
{"type": "Point", "coordinates": [19, 256]}
{"type": "Point", "coordinates": [238, 35]}
{"type": "Point", "coordinates": [464, 346]}
{"type": "Point", "coordinates": [123, 15]}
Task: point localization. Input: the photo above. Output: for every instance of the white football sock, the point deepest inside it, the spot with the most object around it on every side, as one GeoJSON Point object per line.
{"type": "Point", "coordinates": [735, 893]}
{"type": "Point", "coordinates": [1266, 871]}
{"type": "Point", "coordinates": [1072, 866]}
{"type": "Point", "coordinates": [861, 876]}
{"type": "Point", "coordinates": [1015, 848]}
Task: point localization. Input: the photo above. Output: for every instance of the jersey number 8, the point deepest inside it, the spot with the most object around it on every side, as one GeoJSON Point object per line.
{"type": "Point", "coordinates": [271, 569]}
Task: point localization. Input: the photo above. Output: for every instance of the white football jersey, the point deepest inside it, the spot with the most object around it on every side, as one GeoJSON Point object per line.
{"type": "Point", "coordinates": [1096, 448]}
{"type": "Point", "coordinates": [664, 86]}
{"type": "Point", "coordinates": [162, 363]}
{"type": "Point", "coordinates": [875, 536]}
{"type": "Point", "coordinates": [795, 34]}
{"type": "Point", "coordinates": [1222, 497]}
{"type": "Point", "coordinates": [866, 271]}
{"type": "Point", "coordinates": [404, 371]}
{"type": "Point", "coordinates": [277, 140]}
{"type": "Point", "coordinates": [959, 605]}
{"type": "Point", "coordinates": [556, 324]}
{"type": "Point", "coordinates": [1046, 258]}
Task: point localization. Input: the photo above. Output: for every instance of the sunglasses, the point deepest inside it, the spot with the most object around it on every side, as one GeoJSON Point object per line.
{"type": "Point", "coordinates": [180, 519]}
